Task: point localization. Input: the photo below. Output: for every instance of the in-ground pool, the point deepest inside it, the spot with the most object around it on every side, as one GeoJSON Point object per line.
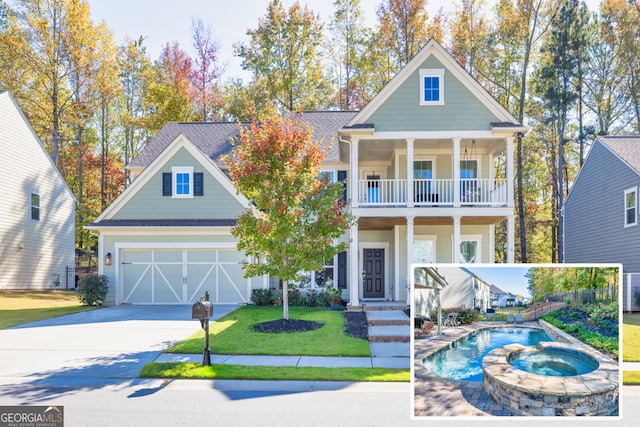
{"type": "Point", "coordinates": [462, 359]}
{"type": "Point", "coordinates": [553, 362]}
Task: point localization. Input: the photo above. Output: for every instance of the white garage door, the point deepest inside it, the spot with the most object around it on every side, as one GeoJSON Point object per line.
{"type": "Point", "coordinates": [175, 276]}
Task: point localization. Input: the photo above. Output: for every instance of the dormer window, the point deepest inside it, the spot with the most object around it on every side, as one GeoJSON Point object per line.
{"type": "Point", "coordinates": [432, 87]}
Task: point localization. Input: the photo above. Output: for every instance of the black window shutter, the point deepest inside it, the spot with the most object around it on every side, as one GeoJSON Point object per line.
{"type": "Point", "coordinates": [342, 176]}
{"type": "Point", "coordinates": [342, 270]}
{"type": "Point", "coordinates": [198, 184]}
{"type": "Point", "coordinates": [166, 183]}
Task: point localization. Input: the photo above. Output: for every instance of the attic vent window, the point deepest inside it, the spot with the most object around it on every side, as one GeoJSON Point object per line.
{"type": "Point", "coordinates": [432, 87]}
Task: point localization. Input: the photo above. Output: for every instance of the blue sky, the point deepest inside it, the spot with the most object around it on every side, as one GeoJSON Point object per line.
{"type": "Point", "coordinates": [163, 21]}
{"type": "Point", "coordinates": [509, 278]}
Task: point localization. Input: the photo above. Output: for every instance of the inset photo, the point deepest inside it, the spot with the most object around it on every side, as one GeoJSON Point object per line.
{"type": "Point", "coordinates": [516, 340]}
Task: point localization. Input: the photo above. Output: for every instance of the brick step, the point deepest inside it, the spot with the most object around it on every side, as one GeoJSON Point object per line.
{"type": "Point", "coordinates": [368, 308]}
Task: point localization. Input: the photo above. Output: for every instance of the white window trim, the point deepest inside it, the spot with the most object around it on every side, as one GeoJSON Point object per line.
{"type": "Point", "coordinates": [422, 158]}
{"type": "Point", "coordinates": [429, 238]}
{"type": "Point", "coordinates": [31, 206]}
{"type": "Point", "coordinates": [470, 238]}
{"type": "Point", "coordinates": [432, 72]}
{"type": "Point", "coordinates": [332, 173]}
{"type": "Point", "coordinates": [627, 191]}
{"type": "Point", "coordinates": [175, 170]}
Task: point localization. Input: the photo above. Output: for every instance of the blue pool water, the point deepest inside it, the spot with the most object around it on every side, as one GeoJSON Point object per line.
{"type": "Point", "coordinates": [462, 359]}
{"type": "Point", "coordinates": [553, 362]}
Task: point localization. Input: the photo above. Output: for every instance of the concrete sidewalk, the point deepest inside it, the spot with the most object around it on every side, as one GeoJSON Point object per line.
{"type": "Point", "coordinates": [297, 361]}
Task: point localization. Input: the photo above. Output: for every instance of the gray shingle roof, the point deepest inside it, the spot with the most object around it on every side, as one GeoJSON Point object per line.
{"type": "Point", "coordinates": [213, 138]}
{"type": "Point", "coordinates": [626, 147]}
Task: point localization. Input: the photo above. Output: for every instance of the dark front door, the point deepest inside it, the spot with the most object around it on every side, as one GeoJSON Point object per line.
{"type": "Point", "coordinates": [373, 274]}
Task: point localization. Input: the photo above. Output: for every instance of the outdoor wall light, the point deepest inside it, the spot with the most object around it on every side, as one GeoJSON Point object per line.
{"type": "Point", "coordinates": [107, 259]}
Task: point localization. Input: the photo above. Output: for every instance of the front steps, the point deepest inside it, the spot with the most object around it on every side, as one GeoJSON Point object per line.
{"type": "Point", "coordinates": [388, 326]}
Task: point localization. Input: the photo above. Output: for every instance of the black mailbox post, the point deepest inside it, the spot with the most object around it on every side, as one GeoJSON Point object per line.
{"type": "Point", "coordinates": [202, 310]}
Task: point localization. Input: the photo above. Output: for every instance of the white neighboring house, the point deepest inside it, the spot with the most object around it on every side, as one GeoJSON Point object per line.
{"type": "Point", "coordinates": [461, 288]}
{"type": "Point", "coordinates": [37, 212]}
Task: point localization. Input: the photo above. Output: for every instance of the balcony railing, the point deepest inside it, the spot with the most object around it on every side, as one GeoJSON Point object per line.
{"type": "Point", "coordinates": [432, 192]}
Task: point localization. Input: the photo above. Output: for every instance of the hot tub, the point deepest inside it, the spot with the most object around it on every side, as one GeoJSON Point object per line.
{"type": "Point", "coordinates": [594, 392]}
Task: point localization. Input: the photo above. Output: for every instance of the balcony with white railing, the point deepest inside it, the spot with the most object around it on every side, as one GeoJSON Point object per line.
{"type": "Point", "coordinates": [432, 192]}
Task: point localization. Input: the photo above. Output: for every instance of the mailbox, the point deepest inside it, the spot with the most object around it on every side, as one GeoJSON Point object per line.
{"type": "Point", "coordinates": [202, 310]}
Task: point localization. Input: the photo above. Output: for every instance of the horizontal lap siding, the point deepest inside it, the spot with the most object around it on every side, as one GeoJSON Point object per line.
{"type": "Point", "coordinates": [149, 203]}
{"type": "Point", "coordinates": [31, 251]}
{"type": "Point", "coordinates": [594, 213]}
{"type": "Point", "coordinates": [401, 111]}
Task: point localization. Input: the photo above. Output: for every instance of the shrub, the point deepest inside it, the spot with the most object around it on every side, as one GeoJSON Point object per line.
{"type": "Point", "coordinates": [332, 297]}
{"type": "Point", "coordinates": [263, 296]}
{"type": "Point", "coordinates": [92, 289]}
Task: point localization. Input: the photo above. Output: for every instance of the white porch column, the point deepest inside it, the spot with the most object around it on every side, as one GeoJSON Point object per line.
{"type": "Point", "coordinates": [456, 239]}
{"type": "Point", "coordinates": [355, 175]}
{"type": "Point", "coordinates": [456, 173]}
{"type": "Point", "coordinates": [354, 267]}
{"type": "Point", "coordinates": [492, 244]}
{"type": "Point", "coordinates": [511, 231]}
{"type": "Point", "coordinates": [410, 172]}
{"type": "Point", "coordinates": [510, 161]}
{"type": "Point", "coordinates": [396, 262]}
{"type": "Point", "coordinates": [409, 255]}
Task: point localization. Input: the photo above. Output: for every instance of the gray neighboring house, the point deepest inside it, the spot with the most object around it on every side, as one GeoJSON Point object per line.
{"type": "Point", "coordinates": [601, 211]}
{"type": "Point", "coordinates": [37, 212]}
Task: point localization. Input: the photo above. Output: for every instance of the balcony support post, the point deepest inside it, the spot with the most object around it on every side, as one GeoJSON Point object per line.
{"type": "Point", "coordinates": [354, 175]}
{"type": "Point", "coordinates": [511, 230]}
{"type": "Point", "coordinates": [354, 267]}
{"type": "Point", "coordinates": [509, 172]}
{"type": "Point", "coordinates": [456, 239]}
{"type": "Point", "coordinates": [410, 187]}
{"type": "Point", "coordinates": [410, 238]}
{"type": "Point", "coordinates": [456, 174]}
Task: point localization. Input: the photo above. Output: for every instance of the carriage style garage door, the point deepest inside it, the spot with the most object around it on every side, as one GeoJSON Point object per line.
{"type": "Point", "coordinates": [174, 276]}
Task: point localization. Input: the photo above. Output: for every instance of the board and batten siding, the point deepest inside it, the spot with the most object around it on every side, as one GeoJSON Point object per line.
{"type": "Point", "coordinates": [461, 111]}
{"type": "Point", "coordinates": [32, 253]}
{"type": "Point", "coordinates": [149, 203]}
{"type": "Point", "coordinates": [594, 213]}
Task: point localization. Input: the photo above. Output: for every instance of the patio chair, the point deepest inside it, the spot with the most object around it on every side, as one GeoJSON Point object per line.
{"type": "Point", "coordinates": [491, 314]}
{"type": "Point", "coordinates": [510, 318]}
{"type": "Point", "coordinates": [452, 320]}
{"type": "Point", "coordinates": [519, 318]}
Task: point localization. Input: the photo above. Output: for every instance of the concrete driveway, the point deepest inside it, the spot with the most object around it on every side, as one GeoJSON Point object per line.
{"type": "Point", "coordinates": [111, 342]}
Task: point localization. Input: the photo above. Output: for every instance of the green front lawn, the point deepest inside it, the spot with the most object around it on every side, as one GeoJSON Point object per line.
{"type": "Point", "coordinates": [19, 307]}
{"type": "Point", "coordinates": [236, 372]}
{"type": "Point", "coordinates": [234, 334]}
{"type": "Point", "coordinates": [631, 338]}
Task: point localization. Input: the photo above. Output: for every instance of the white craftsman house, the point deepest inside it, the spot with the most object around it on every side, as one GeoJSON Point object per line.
{"type": "Point", "coordinates": [429, 170]}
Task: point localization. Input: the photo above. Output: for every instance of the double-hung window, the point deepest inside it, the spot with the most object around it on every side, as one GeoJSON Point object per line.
{"type": "Point", "coordinates": [431, 87]}
{"type": "Point", "coordinates": [631, 206]}
{"type": "Point", "coordinates": [35, 206]}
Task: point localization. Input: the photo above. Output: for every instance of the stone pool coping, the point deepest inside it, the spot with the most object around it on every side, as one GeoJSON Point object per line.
{"type": "Point", "coordinates": [424, 381]}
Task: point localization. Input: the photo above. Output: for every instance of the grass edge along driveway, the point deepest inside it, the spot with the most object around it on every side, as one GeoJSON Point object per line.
{"type": "Point", "coordinates": [234, 334]}
{"type": "Point", "coordinates": [20, 307]}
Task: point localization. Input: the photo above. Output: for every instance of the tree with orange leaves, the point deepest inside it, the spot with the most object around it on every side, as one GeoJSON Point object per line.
{"type": "Point", "coordinates": [297, 215]}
